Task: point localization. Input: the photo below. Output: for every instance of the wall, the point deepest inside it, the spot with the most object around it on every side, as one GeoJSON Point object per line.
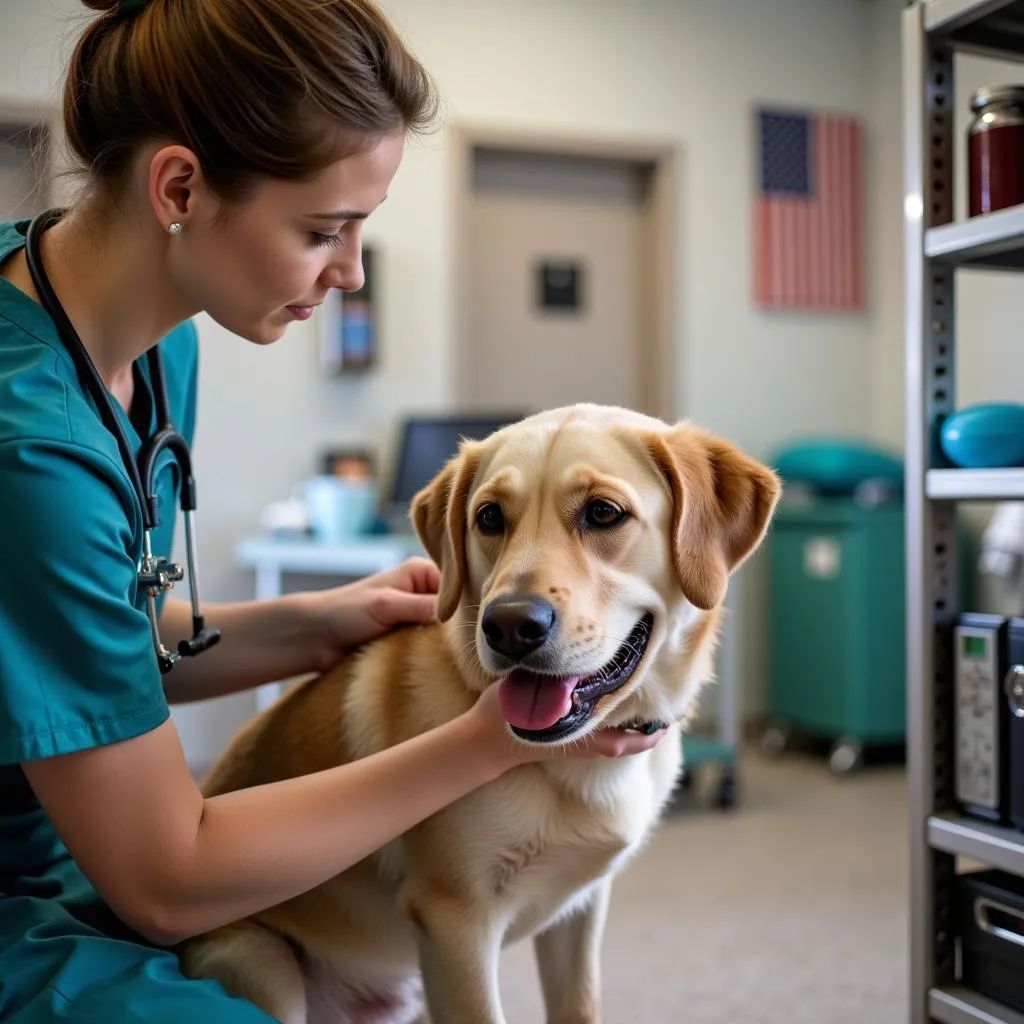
{"type": "Point", "coordinates": [886, 156]}
{"type": "Point", "coordinates": [686, 71]}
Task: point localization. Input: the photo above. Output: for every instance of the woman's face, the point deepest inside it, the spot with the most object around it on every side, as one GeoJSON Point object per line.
{"type": "Point", "coordinates": [272, 260]}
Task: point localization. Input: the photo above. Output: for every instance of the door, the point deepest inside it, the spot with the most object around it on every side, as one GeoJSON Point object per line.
{"type": "Point", "coordinates": [558, 283]}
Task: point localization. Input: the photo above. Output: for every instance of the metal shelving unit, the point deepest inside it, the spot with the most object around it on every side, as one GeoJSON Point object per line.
{"type": "Point", "coordinates": [935, 246]}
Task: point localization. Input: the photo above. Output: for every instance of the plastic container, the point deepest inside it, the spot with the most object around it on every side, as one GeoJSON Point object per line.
{"type": "Point", "coordinates": [995, 149]}
{"type": "Point", "coordinates": [836, 621]}
{"type": "Point", "coordinates": [985, 436]}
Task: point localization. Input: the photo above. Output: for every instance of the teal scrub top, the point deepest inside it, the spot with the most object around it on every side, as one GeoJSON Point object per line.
{"type": "Point", "coordinates": [77, 666]}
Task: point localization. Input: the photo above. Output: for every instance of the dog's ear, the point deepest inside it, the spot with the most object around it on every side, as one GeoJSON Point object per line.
{"type": "Point", "coordinates": [439, 517]}
{"type": "Point", "coordinates": [723, 501]}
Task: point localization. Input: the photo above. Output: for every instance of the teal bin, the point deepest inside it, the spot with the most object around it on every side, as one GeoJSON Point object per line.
{"type": "Point", "coordinates": [836, 614]}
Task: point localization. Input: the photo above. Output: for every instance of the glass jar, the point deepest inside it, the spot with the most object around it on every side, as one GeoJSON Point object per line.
{"type": "Point", "coordinates": [995, 146]}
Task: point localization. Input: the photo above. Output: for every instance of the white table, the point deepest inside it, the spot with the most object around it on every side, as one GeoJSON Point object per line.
{"type": "Point", "coordinates": [270, 560]}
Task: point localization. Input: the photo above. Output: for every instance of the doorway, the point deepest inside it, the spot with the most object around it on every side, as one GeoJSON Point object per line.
{"type": "Point", "coordinates": [566, 273]}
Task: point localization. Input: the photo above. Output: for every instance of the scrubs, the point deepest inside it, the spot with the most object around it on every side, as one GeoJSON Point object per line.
{"type": "Point", "coordinates": [77, 668]}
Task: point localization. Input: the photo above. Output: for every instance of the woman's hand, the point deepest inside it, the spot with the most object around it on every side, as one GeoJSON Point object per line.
{"type": "Point", "coordinates": [354, 614]}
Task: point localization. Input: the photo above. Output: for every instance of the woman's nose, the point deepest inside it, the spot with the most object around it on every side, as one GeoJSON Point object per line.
{"type": "Point", "coordinates": [345, 270]}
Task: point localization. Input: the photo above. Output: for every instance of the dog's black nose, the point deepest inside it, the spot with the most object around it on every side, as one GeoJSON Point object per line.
{"type": "Point", "coordinates": [514, 626]}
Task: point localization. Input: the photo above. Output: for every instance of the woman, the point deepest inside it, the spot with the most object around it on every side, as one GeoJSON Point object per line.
{"type": "Point", "coordinates": [233, 151]}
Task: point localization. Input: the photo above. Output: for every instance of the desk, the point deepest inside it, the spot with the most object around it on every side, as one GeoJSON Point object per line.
{"type": "Point", "coordinates": [361, 556]}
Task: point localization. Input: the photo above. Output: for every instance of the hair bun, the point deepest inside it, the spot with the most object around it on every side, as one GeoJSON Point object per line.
{"type": "Point", "coordinates": [102, 6]}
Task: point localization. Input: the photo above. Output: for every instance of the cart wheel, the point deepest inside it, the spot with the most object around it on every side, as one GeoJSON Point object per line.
{"type": "Point", "coordinates": [846, 757]}
{"type": "Point", "coordinates": [727, 792]}
{"type": "Point", "coordinates": [774, 741]}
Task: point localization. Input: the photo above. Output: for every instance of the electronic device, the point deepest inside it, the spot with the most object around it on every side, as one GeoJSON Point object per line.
{"type": "Point", "coordinates": [426, 444]}
{"type": "Point", "coordinates": [981, 716]}
{"type": "Point", "coordinates": [1013, 693]}
{"type": "Point", "coordinates": [990, 924]}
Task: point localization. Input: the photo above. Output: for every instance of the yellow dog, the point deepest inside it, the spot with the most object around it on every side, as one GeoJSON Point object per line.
{"type": "Point", "coordinates": [584, 556]}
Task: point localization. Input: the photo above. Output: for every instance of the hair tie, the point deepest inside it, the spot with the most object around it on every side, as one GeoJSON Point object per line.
{"type": "Point", "coordinates": [131, 6]}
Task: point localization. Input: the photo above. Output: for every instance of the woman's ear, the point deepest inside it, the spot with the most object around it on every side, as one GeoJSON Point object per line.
{"type": "Point", "coordinates": [723, 501]}
{"type": "Point", "coordinates": [439, 518]}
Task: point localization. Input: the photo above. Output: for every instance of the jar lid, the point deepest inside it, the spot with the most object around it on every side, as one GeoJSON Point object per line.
{"type": "Point", "coordinates": [1012, 95]}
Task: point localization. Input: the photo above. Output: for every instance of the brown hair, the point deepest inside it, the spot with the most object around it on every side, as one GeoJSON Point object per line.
{"type": "Point", "coordinates": [255, 88]}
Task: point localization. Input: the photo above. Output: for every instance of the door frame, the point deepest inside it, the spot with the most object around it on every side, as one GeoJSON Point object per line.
{"type": "Point", "coordinates": [661, 383]}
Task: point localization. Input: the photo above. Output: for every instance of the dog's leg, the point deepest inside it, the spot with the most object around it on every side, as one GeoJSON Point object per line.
{"type": "Point", "coordinates": [569, 962]}
{"type": "Point", "coordinates": [252, 963]}
{"type": "Point", "coordinates": [459, 954]}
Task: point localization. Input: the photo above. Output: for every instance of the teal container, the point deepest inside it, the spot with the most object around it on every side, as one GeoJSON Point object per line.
{"type": "Point", "coordinates": [836, 614]}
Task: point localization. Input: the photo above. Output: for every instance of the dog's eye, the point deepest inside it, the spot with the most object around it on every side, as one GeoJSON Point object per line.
{"type": "Point", "coordinates": [603, 514]}
{"type": "Point", "coordinates": [490, 519]}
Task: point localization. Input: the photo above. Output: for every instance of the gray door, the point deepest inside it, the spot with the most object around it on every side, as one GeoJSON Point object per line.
{"type": "Point", "coordinates": [557, 306]}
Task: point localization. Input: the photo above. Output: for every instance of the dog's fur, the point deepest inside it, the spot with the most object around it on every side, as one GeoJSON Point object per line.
{"type": "Point", "coordinates": [414, 931]}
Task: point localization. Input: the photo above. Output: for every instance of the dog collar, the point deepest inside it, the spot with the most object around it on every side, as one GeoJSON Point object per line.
{"type": "Point", "coordinates": [647, 728]}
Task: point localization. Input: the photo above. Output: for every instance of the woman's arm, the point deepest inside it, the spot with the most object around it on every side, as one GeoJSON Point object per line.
{"type": "Point", "coordinates": [264, 641]}
{"type": "Point", "coordinates": [261, 642]}
{"type": "Point", "coordinates": [173, 864]}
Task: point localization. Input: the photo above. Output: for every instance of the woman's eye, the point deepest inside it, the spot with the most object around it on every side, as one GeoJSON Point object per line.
{"type": "Point", "coordinates": [603, 514]}
{"type": "Point", "coordinates": [490, 519]}
{"type": "Point", "coordinates": [322, 241]}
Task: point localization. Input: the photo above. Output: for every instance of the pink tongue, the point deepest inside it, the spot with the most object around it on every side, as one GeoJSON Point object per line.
{"type": "Point", "coordinates": [536, 702]}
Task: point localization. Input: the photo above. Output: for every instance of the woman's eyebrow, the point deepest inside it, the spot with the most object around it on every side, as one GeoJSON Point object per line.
{"type": "Point", "coordinates": [341, 215]}
{"type": "Point", "coordinates": [344, 214]}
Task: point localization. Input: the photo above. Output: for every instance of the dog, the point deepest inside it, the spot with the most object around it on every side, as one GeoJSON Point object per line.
{"type": "Point", "coordinates": [584, 555]}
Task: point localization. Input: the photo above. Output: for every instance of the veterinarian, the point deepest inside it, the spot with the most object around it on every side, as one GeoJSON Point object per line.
{"type": "Point", "coordinates": [232, 151]}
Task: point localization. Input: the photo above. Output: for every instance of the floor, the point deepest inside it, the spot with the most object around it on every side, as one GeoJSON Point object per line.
{"type": "Point", "coordinates": [790, 909]}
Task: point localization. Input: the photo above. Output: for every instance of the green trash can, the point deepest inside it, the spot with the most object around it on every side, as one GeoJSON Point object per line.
{"type": "Point", "coordinates": [836, 625]}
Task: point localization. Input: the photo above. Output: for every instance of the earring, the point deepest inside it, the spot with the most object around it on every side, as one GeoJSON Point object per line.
{"type": "Point", "coordinates": [175, 228]}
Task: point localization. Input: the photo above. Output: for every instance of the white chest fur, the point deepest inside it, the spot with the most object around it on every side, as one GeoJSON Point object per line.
{"type": "Point", "coordinates": [543, 836]}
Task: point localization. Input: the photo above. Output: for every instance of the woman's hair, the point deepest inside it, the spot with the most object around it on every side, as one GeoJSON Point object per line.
{"type": "Point", "coordinates": [255, 88]}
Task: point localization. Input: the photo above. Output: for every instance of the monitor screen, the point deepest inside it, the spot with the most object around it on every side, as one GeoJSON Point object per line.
{"type": "Point", "coordinates": [428, 443]}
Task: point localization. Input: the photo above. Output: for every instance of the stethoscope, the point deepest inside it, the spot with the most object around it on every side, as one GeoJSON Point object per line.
{"type": "Point", "coordinates": [156, 574]}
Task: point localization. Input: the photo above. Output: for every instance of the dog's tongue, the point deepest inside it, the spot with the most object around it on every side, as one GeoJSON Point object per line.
{"type": "Point", "coordinates": [536, 702]}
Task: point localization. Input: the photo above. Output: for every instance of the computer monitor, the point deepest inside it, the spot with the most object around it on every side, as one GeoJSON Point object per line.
{"type": "Point", "coordinates": [427, 443]}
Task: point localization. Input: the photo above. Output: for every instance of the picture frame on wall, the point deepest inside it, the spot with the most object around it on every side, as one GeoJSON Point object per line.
{"type": "Point", "coordinates": [808, 210]}
{"type": "Point", "coordinates": [348, 328]}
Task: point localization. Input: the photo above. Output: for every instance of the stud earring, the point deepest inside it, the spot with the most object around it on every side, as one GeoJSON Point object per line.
{"type": "Point", "coordinates": [175, 228]}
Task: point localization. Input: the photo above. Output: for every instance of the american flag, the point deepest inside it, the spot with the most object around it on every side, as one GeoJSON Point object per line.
{"type": "Point", "coordinates": [808, 229]}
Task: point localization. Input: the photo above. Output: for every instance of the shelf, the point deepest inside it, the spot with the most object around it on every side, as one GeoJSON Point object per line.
{"type": "Point", "coordinates": [994, 845]}
{"type": "Point", "coordinates": [958, 1005]}
{"type": "Point", "coordinates": [992, 240]}
{"type": "Point", "coordinates": [975, 484]}
{"type": "Point", "coordinates": [994, 28]}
